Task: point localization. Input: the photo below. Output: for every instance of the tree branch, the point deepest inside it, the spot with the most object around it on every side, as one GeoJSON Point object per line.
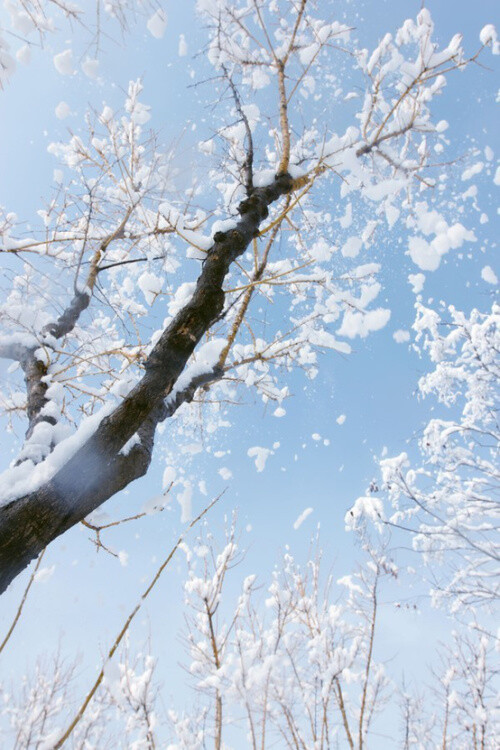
{"type": "Point", "coordinates": [35, 369]}
{"type": "Point", "coordinates": [98, 470]}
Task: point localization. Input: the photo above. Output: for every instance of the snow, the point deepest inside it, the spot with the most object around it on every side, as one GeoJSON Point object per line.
{"type": "Point", "coordinates": [134, 440]}
{"type": "Point", "coordinates": [264, 177]}
{"type": "Point", "coordinates": [44, 574]}
{"type": "Point", "coordinates": [204, 361]}
{"type": "Point", "coordinates": [441, 126]}
{"type": "Point", "coordinates": [181, 297]}
{"type": "Point", "coordinates": [123, 558]}
{"type": "Point", "coordinates": [22, 339]}
{"type": "Point", "coordinates": [252, 113]}
{"type": "Point", "coordinates": [26, 477]}
{"type": "Point", "coordinates": [427, 255]}
{"type": "Point", "coordinates": [300, 520]}
{"type": "Point", "coordinates": [307, 54]}
{"type": "Point", "coordinates": [184, 499]}
{"type": "Point", "coordinates": [489, 275]}
{"type": "Point", "coordinates": [140, 114]}
{"type": "Point", "coordinates": [383, 189]}
{"type": "Point", "coordinates": [417, 281]}
{"type": "Point", "coordinates": [192, 448]}
{"type": "Point", "coordinates": [169, 476]}
{"type": "Point", "coordinates": [446, 237]}
{"type": "Point", "coordinates": [154, 504]}
{"type": "Point", "coordinates": [23, 54]}
{"type": "Point", "coordinates": [472, 171]}
{"type": "Point", "coordinates": [183, 48]}
{"type": "Point", "coordinates": [112, 680]}
{"type": "Point", "coordinates": [401, 336]}
{"type": "Point", "coordinates": [90, 66]}
{"type": "Point", "coordinates": [7, 62]}
{"type": "Point", "coordinates": [392, 215]}
{"type": "Point", "coordinates": [261, 455]}
{"type": "Point", "coordinates": [361, 324]}
{"type": "Point", "coordinates": [49, 740]}
{"type": "Point", "coordinates": [200, 244]}
{"type": "Point", "coordinates": [150, 285]}
{"type": "Point", "coordinates": [328, 341]}
{"type": "Point", "coordinates": [62, 110]}
{"type": "Point", "coordinates": [321, 250]}
{"type": "Point", "coordinates": [207, 147]}
{"type": "Point", "coordinates": [370, 507]}
{"type": "Point", "coordinates": [304, 315]}
{"type": "Point", "coordinates": [488, 35]}
{"type": "Point", "coordinates": [63, 63]}
{"type": "Point", "coordinates": [106, 114]}
{"type": "Point", "coordinates": [260, 79]}
{"type": "Point", "coordinates": [317, 303]}
{"type": "Point", "coordinates": [351, 247]}
{"type": "Point", "coordinates": [348, 582]}
{"type": "Point", "coordinates": [157, 24]}
{"type": "Point", "coordinates": [345, 221]}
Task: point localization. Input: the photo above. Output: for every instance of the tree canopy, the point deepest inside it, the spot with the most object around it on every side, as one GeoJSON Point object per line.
{"type": "Point", "coordinates": [165, 279]}
{"type": "Point", "coordinates": [99, 369]}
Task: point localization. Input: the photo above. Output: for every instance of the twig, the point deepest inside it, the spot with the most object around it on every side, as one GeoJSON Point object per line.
{"type": "Point", "coordinates": [97, 529]}
{"type": "Point", "coordinates": [23, 601]}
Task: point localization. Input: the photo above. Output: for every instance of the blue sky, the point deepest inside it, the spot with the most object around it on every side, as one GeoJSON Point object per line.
{"type": "Point", "coordinates": [84, 602]}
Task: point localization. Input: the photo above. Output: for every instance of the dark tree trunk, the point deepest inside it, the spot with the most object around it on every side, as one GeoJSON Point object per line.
{"type": "Point", "coordinates": [98, 471]}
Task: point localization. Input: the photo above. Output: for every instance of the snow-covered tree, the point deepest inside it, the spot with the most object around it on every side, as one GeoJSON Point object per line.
{"type": "Point", "coordinates": [449, 499]}
{"type": "Point", "coordinates": [131, 301]}
{"type": "Point", "coordinates": [292, 662]}
{"type": "Point", "coordinates": [298, 666]}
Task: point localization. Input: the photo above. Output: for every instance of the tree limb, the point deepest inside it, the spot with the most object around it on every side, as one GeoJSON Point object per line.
{"type": "Point", "coordinates": [98, 470]}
